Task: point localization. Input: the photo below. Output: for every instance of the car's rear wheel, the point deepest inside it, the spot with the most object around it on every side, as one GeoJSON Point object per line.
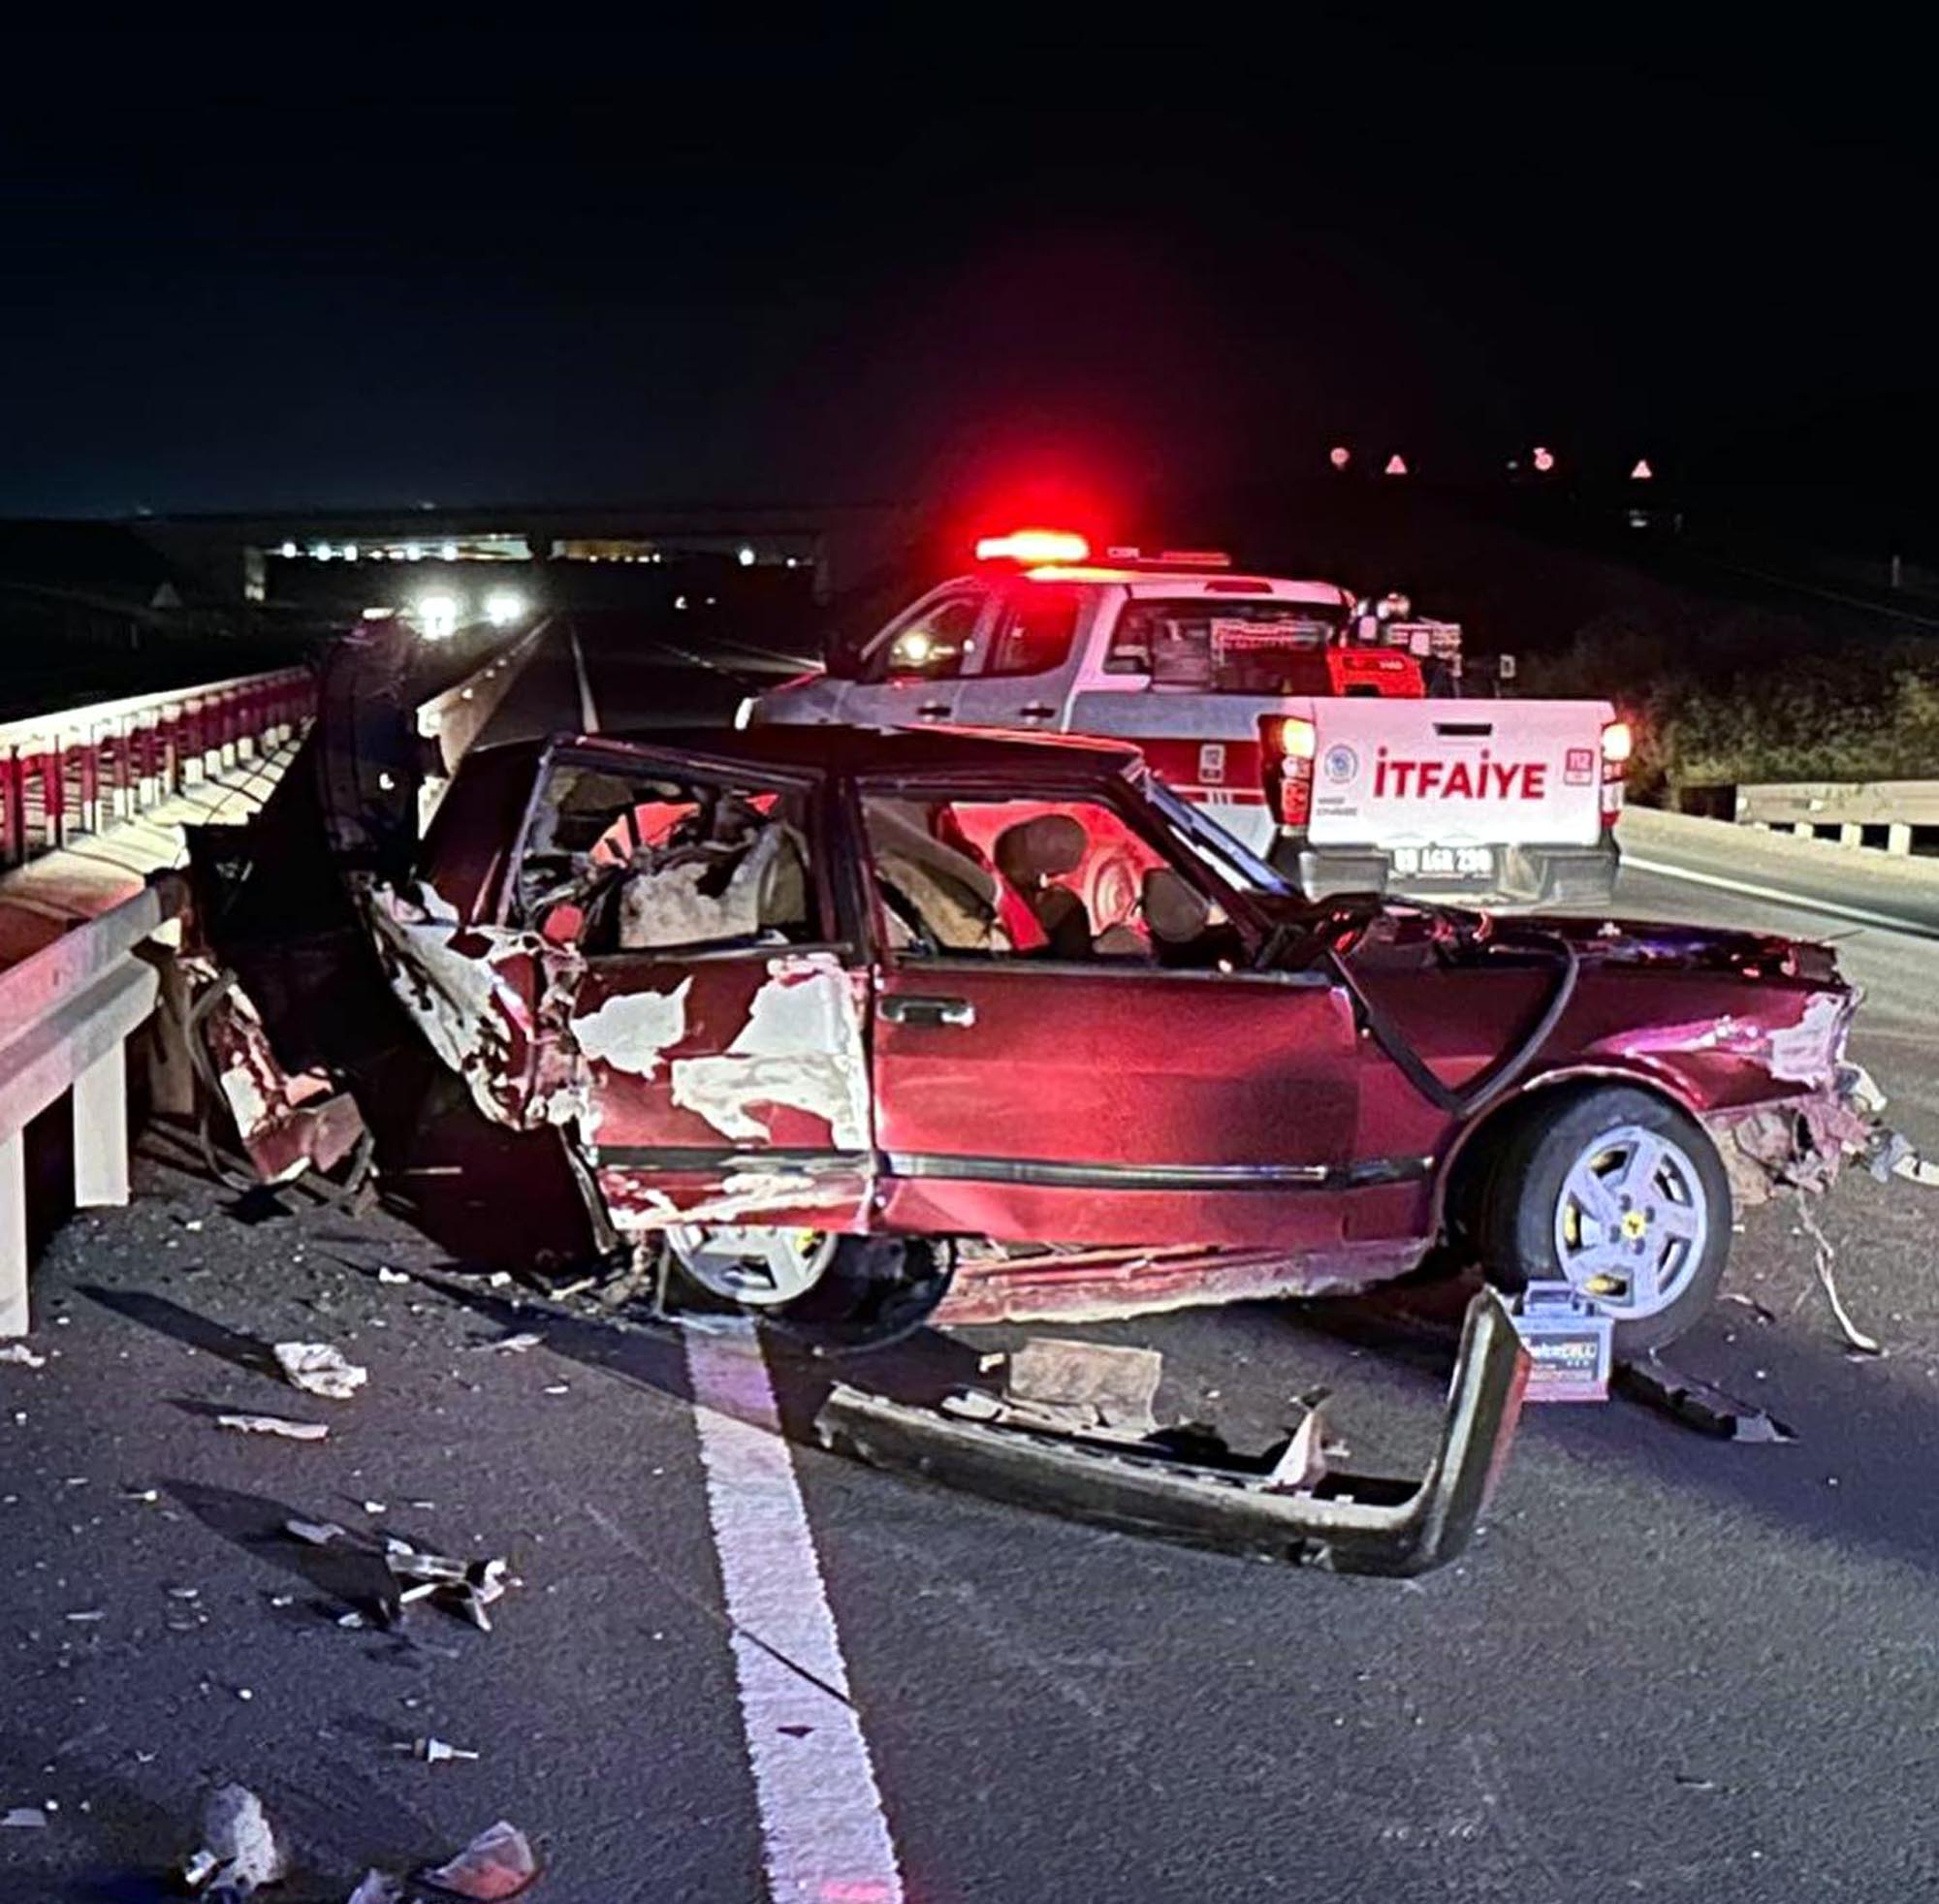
{"type": "Point", "coordinates": [1618, 1194]}
{"type": "Point", "coordinates": [840, 1294]}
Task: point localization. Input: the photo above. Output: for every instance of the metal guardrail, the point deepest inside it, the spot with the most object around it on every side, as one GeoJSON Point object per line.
{"type": "Point", "coordinates": [83, 770]}
{"type": "Point", "coordinates": [65, 1016]}
{"type": "Point", "coordinates": [1846, 808]}
{"type": "Point", "coordinates": [455, 719]}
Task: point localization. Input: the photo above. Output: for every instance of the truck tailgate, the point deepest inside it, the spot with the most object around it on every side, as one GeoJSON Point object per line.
{"type": "Point", "coordinates": [1457, 772]}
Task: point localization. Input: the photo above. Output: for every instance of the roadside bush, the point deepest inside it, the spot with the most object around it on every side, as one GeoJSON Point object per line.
{"type": "Point", "coordinates": [1746, 695]}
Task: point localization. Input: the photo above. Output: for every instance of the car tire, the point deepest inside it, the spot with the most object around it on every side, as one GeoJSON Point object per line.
{"type": "Point", "coordinates": [863, 1292]}
{"type": "Point", "coordinates": [1611, 1182]}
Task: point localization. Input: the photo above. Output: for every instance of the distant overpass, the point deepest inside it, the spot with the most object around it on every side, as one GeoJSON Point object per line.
{"type": "Point", "coordinates": [273, 554]}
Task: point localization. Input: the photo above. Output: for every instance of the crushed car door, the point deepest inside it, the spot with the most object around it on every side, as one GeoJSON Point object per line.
{"type": "Point", "coordinates": [718, 1027]}
{"type": "Point", "coordinates": [1043, 1084]}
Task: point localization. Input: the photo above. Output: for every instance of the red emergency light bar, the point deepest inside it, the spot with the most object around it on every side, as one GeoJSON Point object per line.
{"type": "Point", "coordinates": [1032, 547]}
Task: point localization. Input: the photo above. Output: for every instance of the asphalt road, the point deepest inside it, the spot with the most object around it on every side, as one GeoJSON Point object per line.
{"type": "Point", "coordinates": [1668, 1668]}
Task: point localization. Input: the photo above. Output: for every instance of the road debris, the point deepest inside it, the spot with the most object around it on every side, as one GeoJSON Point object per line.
{"type": "Point", "coordinates": [274, 1424]}
{"type": "Point", "coordinates": [1085, 1385]}
{"type": "Point", "coordinates": [88, 1615]}
{"type": "Point", "coordinates": [1822, 1256]}
{"type": "Point", "coordinates": [239, 1851]}
{"type": "Point", "coordinates": [1697, 1404]}
{"type": "Point", "coordinates": [438, 1752]}
{"type": "Point", "coordinates": [19, 1353]}
{"type": "Point", "coordinates": [318, 1368]}
{"type": "Point", "coordinates": [378, 1888]}
{"type": "Point", "coordinates": [497, 1863]}
{"type": "Point", "coordinates": [516, 1344]}
{"type": "Point", "coordinates": [1755, 1307]}
{"type": "Point", "coordinates": [23, 1818]}
{"type": "Point", "coordinates": [467, 1588]}
{"type": "Point", "coordinates": [385, 1274]}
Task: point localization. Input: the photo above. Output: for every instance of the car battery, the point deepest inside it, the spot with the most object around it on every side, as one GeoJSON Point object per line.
{"type": "Point", "coordinates": [1568, 1342]}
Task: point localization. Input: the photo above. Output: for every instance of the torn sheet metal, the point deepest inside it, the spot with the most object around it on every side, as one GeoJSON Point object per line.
{"type": "Point", "coordinates": [996, 1284]}
{"type": "Point", "coordinates": [1807, 1050]}
{"type": "Point", "coordinates": [801, 1048]}
{"type": "Point", "coordinates": [1351, 1524]}
{"type": "Point", "coordinates": [287, 1123]}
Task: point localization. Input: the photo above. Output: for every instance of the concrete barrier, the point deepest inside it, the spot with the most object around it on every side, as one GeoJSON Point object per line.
{"type": "Point", "coordinates": [65, 1014]}
{"type": "Point", "coordinates": [1844, 807]}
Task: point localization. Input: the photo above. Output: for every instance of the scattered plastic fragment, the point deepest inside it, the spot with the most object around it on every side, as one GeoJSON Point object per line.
{"type": "Point", "coordinates": [316, 1533]}
{"type": "Point", "coordinates": [88, 1615]}
{"type": "Point", "coordinates": [23, 1818]}
{"type": "Point", "coordinates": [274, 1424]}
{"type": "Point", "coordinates": [19, 1353]}
{"type": "Point", "coordinates": [1697, 1404]}
{"type": "Point", "coordinates": [439, 1752]}
{"type": "Point", "coordinates": [497, 1863]}
{"type": "Point", "coordinates": [1821, 1258]}
{"type": "Point", "coordinates": [378, 1888]}
{"type": "Point", "coordinates": [559, 1388]}
{"type": "Point", "coordinates": [385, 1274]}
{"type": "Point", "coordinates": [239, 1850]}
{"type": "Point", "coordinates": [515, 1345]}
{"type": "Point", "coordinates": [318, 1368]}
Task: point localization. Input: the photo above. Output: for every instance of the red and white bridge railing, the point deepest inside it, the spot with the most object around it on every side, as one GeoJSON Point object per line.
{"type": "Point", "coordinates": [84, 770]}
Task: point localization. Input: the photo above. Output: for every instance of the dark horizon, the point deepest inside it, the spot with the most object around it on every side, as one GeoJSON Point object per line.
{"type": "Point", "coordinates": [468, 265]}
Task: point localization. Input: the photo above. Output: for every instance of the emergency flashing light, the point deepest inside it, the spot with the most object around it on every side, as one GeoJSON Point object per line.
{"type": "Point", "coordinates": [1033, 546]}
{"type": "Point", "coordinates": [1618, 742]}
{"type": "Point", "coordinates": [1642, 473]}
{"type": "Point", "coordinates": [1339, 455]}
{"type": "Point", "coordinates": [1544, 459]}
{"type": "Point", "coordinates": [1397, 465]}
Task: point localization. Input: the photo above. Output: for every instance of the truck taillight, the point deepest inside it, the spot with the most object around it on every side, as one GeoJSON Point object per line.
{"type": "Point", "coordinates": [1618, 744]}
{"type": "Point", "coordinates": [1287, 744]}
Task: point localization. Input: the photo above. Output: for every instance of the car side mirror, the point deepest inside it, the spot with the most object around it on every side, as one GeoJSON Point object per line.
{"type": "Point", "coordinates": [842, 657]}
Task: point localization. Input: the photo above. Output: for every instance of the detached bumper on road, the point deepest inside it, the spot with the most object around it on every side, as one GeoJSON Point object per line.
{"type": "Point", "coordinates": [1350, 1523]}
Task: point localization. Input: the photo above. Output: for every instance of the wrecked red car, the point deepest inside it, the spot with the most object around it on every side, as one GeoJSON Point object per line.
{"type": "Point", "coordinates": [879, 1024]}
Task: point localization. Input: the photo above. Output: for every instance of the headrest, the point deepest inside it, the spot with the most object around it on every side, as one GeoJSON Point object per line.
{"type": "Point", "coordinates": [1175, 909]}
{"type": "Point", "coordinates": [1046, 847]}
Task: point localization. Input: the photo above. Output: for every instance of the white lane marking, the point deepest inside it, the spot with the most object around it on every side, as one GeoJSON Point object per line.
{"type": "Point", "coordinates": [823, 1830]}
{"type": "Point", "coordinates": [588, 710]}
{"type": "Point", "coordinates": [1801, 901]}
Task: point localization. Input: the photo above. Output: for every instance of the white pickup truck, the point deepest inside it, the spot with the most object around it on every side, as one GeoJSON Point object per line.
{"type": "Point", "coordinates": [1245, 695]}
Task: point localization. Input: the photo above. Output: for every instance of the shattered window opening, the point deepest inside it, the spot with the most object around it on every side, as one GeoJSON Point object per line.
{"type": "Point", "coordinates": [617, 863]}
{"type": "Point", "coordinates": [1051, 882]}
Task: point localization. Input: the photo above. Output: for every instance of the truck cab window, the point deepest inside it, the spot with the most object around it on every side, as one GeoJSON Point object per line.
{"type": "Point", "coordinates": [935, 643]}
{"type": "Point", "coordinates": [1036, 631]}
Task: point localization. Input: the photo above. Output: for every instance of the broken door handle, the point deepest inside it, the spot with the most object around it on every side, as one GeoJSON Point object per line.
{"type": "Point", "coordinates": [935, 711]}
{"type": "Point", "coordinates": [906, 1010]}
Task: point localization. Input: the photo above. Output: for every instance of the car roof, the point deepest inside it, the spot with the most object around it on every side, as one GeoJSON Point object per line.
{"type": "Point", "coordinates": [887, 751]}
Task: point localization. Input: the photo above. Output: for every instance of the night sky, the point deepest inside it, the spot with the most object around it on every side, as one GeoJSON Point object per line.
{"type": "Point", "coordinates": [328, 262]}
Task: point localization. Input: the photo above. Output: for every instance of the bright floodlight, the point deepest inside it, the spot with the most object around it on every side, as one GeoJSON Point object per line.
{"type": "Point", "coordinates": [744, 556]}
{"type": "Point", "coordinates": [438, 615]}
{"type": "Point", "coordinates": [288, 552]}
{"type": "Point", "coordinates": [503, 607]}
